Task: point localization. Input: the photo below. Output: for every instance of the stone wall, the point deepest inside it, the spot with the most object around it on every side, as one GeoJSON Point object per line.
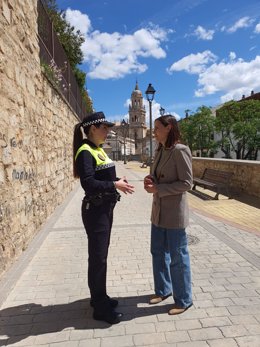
{"type": "Point", "coordinates": [246, 178]}
{"type": "Point", "coordinates": [36, 129]}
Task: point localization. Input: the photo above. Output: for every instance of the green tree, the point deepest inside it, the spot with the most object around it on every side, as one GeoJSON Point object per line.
{"type": "Point", "coordinates": [188, 131]}
{"type": "Point", "coordinates": [238, 124]}
{"type": "Point", "coordinates": [88, 102]}
{"type": "Point", "coordinates": [205, 126]}
{"type": "Point", "coordinates": [198, 131]}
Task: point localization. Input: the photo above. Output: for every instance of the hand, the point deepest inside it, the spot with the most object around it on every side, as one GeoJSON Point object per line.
{"type": "Point", "coordinates": [148, 180]}
{"type": "Point", "coordinates": [124, 186]}
{"type": "Point", "coordinates": [151, 188]}
{"type": "Point", "coordinates": [149, 184]}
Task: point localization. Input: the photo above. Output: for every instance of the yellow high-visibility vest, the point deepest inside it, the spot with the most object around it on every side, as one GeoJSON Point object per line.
{"type": "Point", "coordinates": [102, 159]}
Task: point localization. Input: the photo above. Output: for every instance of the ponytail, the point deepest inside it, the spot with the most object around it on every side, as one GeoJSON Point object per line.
{"type": "Point", "coordinates": [77, 141]}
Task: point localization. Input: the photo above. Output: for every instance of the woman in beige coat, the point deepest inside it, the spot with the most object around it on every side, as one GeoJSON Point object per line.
{"type": "Point", "coordinates": [170, 179]}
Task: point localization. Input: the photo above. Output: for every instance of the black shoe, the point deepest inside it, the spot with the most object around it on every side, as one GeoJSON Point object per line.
{"type": "Point", "coordinates": [110, 317]}
{"type": "Point", "coordinates": [112, 302]}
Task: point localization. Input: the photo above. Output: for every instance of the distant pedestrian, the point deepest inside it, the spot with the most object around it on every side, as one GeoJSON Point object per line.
{"type": "Point", "coordinates": [98, 179]}
{"type": "Point", "coordinates": [170, 179]}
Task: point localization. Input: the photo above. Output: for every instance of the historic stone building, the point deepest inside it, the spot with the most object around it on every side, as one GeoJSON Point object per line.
{"type": "Point", "coordinates": [137, 124]}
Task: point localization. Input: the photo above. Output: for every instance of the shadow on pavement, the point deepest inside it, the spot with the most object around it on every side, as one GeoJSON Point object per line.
{"type": "Point", "coordinates": [241, 197]}
{"type": "Point", "coordinates": [247, 199]}
{"type": "Point", "coordinates": [19, 322]}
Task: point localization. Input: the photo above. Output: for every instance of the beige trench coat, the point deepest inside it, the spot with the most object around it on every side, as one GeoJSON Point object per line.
{"type": "Point", "coordinates": [174, 178]}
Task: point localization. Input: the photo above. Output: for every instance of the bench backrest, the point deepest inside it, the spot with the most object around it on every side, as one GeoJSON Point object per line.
{"type": "Point", "coordinates": [217, 176]}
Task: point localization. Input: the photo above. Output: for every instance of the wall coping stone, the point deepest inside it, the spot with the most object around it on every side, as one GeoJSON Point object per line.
{"type": "Point", "coordinates": [234, 161]}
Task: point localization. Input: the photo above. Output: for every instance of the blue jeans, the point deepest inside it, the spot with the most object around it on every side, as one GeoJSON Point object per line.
{"type": "Point", "coordinates": [171, 264]}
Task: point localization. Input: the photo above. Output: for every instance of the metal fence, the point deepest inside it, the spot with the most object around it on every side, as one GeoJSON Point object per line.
{"type": "Point", "coordinates": [54, 59]}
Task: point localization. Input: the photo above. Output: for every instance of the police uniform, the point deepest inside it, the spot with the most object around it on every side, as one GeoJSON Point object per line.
{"type": "Point", "coordinates": [97, 174]}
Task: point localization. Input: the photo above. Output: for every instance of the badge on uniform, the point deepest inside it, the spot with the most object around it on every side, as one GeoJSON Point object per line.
{"type": "Point", "coordinates": [101, 157]}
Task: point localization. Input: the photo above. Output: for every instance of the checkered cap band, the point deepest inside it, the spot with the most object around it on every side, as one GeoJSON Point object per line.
{"type": "Point", "coordinates": [101, 120]}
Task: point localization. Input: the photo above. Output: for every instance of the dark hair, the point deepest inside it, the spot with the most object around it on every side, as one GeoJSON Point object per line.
{"type": "Point", "coordinates": [174, 135]}
{"type": "Point", "coordinates": [78, 141]}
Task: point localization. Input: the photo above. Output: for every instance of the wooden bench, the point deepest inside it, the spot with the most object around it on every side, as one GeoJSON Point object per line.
{"type": "Point", "coordinates": [215, 180]}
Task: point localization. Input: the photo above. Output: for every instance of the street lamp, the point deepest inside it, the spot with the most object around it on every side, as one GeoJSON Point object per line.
{"type": "Point", "coordinates": [116, 156]}
{"type": "Point", "coordinates": [124, 126]}
{"type": "Point", "coordinates": [150, 91]}
{"type": "Point", "coordinates": [162, 111]}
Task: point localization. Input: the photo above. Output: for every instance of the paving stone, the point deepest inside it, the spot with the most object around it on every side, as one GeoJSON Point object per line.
{"type": "Point", "coordinates": [215, 322]}
{"type": "Point", "coordinates": [177, 336]}
{"type": "Point", "coordinates": [204, 303]}
{"type": "Point", "coordinates": [133, 329]}
{"type": "Point", "coordinates": [49, 303]}
{"type": "Point", "coordinates": [116, 330]}
{"type": "Point", "coordinates": [205, 334]}
{"type": "Point", "coordinates": [65, 344]}
{"type": "Point", "coordinates": [193, 344]}
{"type": "Point", "coordinates": [90, 343]}
{"type": "Point", "coordinates": [244, 320]}
{"type": "Point", "coordinates": [165, 326]}
{"type": "Point", "coordinates": [234, 331]}
{"type": "Point", "coordinates": [253, 329]}
{"type": "Point", "coordinates": [81, 334]}
{"type": "Point", "coordinates": [122, 341]}
{"type": "Point", "coordinates": [148, 339]}
{"type": "Point", "coordinates": [248, 341]}
{"type": "Point", "coordinates": [222, 343]}
{"type": "Point", "coordinates": [187, 324]}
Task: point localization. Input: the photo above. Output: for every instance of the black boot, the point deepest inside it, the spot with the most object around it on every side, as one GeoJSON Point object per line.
{"type": "Point", "coordinates": [110, 316]}
{"type": "Point", "coordinates": [113, 302]}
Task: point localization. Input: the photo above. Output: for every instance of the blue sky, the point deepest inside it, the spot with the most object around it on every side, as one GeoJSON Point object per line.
{"type": "Point", "coordinates": [194, 52]}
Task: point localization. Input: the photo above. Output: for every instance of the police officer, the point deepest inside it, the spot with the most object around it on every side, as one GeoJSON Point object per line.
{"type": "Point", "coordinates": [98, 179]}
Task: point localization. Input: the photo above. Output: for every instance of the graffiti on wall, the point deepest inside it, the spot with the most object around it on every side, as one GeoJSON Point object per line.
{"type": "Point", "coordinates": [3, 140]}
{"type": "Point", "coordinates": [16, 144]}
{"type": "Point", "coordinates": [23, 174]}
{"type": "Point", "coordinates": [13, 142]}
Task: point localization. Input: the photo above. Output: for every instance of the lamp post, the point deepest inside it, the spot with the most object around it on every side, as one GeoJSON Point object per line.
{"type": "Point", "coordinates": [116, 156]}
{"type": "Point", "coordinates": [124, 126]}
{"type": "Point", "coordinates": [200, 139]}
{"type": "Point", "coordinates": [150, 91]}
{"type": "Point", "coordinates": [162, 111]}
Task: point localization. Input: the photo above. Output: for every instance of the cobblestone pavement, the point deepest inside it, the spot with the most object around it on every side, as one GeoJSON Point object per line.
{"type": "Point", "coordinates": [45, 299]}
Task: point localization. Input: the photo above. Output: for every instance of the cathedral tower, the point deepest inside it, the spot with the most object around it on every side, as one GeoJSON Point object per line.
{"type": "Point", "coordinates": [137, 124]}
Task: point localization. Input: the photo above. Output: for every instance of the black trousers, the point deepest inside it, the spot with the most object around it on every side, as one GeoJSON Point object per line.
{"type": "Point", "coordinates": [98, 221]}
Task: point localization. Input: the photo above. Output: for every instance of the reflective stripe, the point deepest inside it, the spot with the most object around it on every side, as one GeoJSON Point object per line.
{"type": "Point", "coordinates": [102, 159]}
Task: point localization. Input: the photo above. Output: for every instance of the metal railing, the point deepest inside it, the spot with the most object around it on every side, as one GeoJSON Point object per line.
{"type": "Point", "coordinates": [54, 60]}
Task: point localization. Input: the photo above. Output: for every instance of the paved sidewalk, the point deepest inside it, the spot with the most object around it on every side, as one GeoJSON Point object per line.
{"type": "Point", "coordinates": [45, 298]}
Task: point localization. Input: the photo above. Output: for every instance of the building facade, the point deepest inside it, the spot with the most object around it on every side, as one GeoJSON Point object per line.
{"type": "Point", "coordinates": [130, 138]}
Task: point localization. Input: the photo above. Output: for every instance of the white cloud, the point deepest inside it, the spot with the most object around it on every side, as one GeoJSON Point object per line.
{"type": "Point", "coordinates": [257, 28]}
{"type": "Point", "coordinates": [243, 22]}
{"type": "Point", "coordinates": [234, 78]}
{"type": "Point", "coordinates": [193, 63]}
{"type": "Point", "coordinates": [79, 20]}
{"type": "Point", "coordinates": [116, 55]}
{"type": "Point", "coordinates": [203, 34]}
{"type": "Point", "coordinates": [232, 55]}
